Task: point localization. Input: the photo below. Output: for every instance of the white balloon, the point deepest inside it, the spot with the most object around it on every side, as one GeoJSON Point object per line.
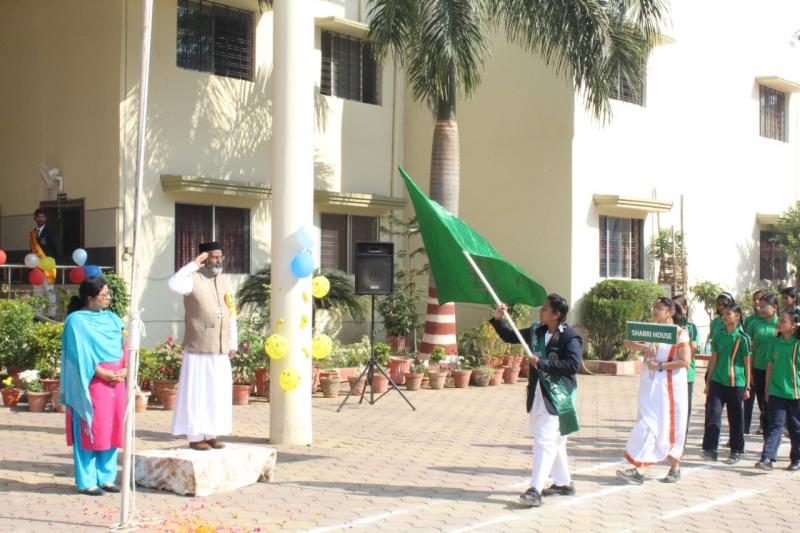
{"type": "Point", "coordinates": [79, 256]}
{"type": "Point", "coordinates": [307, 236]}
{"type": "Point", "coordinates": [31, 260]}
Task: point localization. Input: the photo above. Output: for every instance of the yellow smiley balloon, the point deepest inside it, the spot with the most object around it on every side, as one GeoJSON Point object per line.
{"type": "Point", "coordinates": [303, 321]}
{"type": "Point", "coordinates": [321, 346]}
{"type": "Point", "coordinates": [289, 379]}
{"type": "Point", "coordinates": [320, 286]}
{"type": "Point", "coordinates": [47, 263]}
{"type": "Point", "coordinates": [277, 346]}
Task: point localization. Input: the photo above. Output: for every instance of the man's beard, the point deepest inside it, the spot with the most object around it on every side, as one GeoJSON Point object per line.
{"type": "Point", "coordinates": [212, 270]}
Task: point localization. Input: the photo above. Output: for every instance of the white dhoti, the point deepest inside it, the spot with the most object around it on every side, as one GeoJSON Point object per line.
{"type": "Point", "coordinates": [204, 409]}
{"type": "Point", "coordinates": [549, 447]}
{"type": "Point", "coordinates": [660, 429]}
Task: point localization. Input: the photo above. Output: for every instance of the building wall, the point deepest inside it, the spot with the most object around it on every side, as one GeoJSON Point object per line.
{"type": "Point", "coordinates": [697, 136]}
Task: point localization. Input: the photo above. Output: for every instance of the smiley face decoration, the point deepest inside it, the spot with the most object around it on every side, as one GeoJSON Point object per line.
{"type": "Point", "coordinates": [289, 379]}
{"type": "Point", "coordinates": [277, 346]}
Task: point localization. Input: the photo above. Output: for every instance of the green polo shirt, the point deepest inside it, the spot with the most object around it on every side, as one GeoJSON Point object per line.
{"type": "Point", "coordinates": [762, 332]}
{"type": "Point", "coordinates": [716, 327]}
{"type": "Point", "coordinates": [749, 320]}
{"type": "Point", "coordinates": [785, 368]}
{"type": "Point", "coordinates": [694, 338]}
{"type": "Point", "coordinates": [730, 366]}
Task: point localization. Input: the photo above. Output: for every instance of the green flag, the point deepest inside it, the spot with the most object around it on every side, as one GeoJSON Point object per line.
{"type": "Point", "coordinates": [446, 239]}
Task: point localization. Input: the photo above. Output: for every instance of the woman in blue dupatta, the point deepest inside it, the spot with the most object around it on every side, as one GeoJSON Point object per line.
{"type": "Point", "coordinates": [93, 368]}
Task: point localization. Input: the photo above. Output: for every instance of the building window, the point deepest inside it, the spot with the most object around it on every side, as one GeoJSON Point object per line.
{"type": "Point", "coordinates": [349, 69]}
{"type": "Point", "coordinates": [772, 113]}
{"type": "Point", "coordinates": [627, 91]}
{"type": "Point", "coordinates": [340, 233]}
{"type": "Point", "coordinates": [215, 38]}
{"type": "Point", "coordinates": [772, 259]}
{"type": "Point", "coordinates": [621, 247]}
{"type": "Point", "coordinates": [230, 226]}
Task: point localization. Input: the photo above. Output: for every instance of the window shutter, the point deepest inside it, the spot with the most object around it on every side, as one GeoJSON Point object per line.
{"type": "Point", "coordinates": [636, 249]}
{"type": "Point", "coordinates": [363, 229]}
{"type": "Point", "coordinates": [327, 64]}
{"type": "Point", "coordinates": [192, 226]}
{"type": "Point", "coordinates": [333, 245]}
{"type": "Point", "coordinates": [603, 246]}
{"type": "Point", "coordinates": [232, 231]}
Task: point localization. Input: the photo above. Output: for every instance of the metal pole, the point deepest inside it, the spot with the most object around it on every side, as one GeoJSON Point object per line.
{"type": "Point", "coordinates": [134, 322]}
{"type": "Point", "coordinates": [498, 302]}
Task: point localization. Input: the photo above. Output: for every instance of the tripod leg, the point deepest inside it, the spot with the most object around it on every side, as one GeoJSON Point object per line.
{"type": "Point", "coordinates": [351, 390]}
{"type": "Point", "coordinates": [393, 386]}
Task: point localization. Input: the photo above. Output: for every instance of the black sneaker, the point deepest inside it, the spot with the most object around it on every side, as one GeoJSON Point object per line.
{"type": "Point", "coordinates": [733, 459]}
{"type": "Point", "coordinates": [110, 487]}
{"type": "Point", "coordinates": [764, 464]}
{"type": "Point", "coordinates": [708, 455]}
{"type": "Point", "coordinates": [94, 491]}
{"type": "Point", "coordinates": [794, 466]}
{"type": "Point", "coordinates": [632, 476]}
{"type": "Point", "coordinates": [559, 490]}
{"type": "Point", "coordinates": [672, 476]}
{"type": "Point", "coordinates": [531, 498]}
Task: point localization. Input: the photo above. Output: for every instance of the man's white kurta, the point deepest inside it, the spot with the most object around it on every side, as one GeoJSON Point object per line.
{"type": "Point", "coordinates": [204, 408]}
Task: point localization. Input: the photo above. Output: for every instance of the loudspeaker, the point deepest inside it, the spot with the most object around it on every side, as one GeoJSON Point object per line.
{"type": "Point", "coordinates": [374, 267]}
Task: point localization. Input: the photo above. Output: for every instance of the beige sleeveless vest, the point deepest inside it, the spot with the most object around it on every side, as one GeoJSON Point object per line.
{"type": "Point", "coordinates": [205, 332]}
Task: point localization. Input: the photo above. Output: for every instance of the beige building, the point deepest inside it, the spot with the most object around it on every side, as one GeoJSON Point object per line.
{"type": "Point", "coordinates": [570, 200]}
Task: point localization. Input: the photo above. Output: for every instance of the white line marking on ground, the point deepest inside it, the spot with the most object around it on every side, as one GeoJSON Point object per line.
{"type": "Point", "coordinates": [586, 470]}
{"type": "Point", "coordinates": [703, 507]}
{"type": "Point", "coordinates": [368, 519]}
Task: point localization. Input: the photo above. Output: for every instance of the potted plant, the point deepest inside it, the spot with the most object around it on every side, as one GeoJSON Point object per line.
{"type": "Point", "coordinates": [10, 393]}
{"type": "Point", "coordinates": [482, 375]}
{"type": "Point", "coordinates": [46, 346]}
{"type": "Point", "coordinates": [413, 378]}
{"type": "Point", "coordinates": [168, 359]}
{"type": "Point", "coordinates": [398, 366]}
{"type": "Point", "coordinates": [380, 383]}
{"type": "Point", "coordinates": [34, 391]}
{"type": "Point", "coordinates": [330, 384]}
{"type": "Point", "coordinates": [436, 374]}
{"type": "Point", "coordinates": [398, 319]}
{"type": "Point", "coordinates": [462, 374]}
{"type": "Point", "coordinates": [243, 370]}
{"type": "Point", "coordinates": [16, 335]}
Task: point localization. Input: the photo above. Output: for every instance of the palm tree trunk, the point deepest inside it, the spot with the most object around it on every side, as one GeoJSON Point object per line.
{"type": "Point", "coordinates": [440, 320]}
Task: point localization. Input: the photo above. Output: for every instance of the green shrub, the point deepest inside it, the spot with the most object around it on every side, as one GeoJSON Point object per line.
{"type": "Point", "coordinates": [609, 305]}
{"type": "Point", "coordinates": [120, 296]}
{"type": "Point", "coordinates": [348, 355]}
{"type": "Point", "coordinates": [47, 348]}
{"type": "Point", "coordinates": [16, 333]}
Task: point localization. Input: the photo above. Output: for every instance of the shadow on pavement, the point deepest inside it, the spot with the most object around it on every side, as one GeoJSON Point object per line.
{"type": "Point", "coordinates": [482, 471]}
{"type": "Point", "coordinates": [399, 491]}
{"type": "Point", "coordinates": [13, 485]}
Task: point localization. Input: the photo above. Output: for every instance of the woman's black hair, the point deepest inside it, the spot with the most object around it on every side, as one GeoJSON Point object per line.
{"type": "Point", "coordinates": [680, 301]}
{"type": "Point", "coordinates": [757, 293]}
{"type": "Point", "coordinates": [769, 298]}
{"type": "Point", "coordinates": [90, 287]}
{"type": "Point", "coordinates": [791, 292]}
{"type": "Point", "coordinates": [736, 309]}
{"type": "Point", "coordinates": [795, 321]}
{"type": "Point", "coordinates": [675, 311]}
{"type": "Point", "coordinates": [558, 304]}
{"type": "Point", "coordinates": [726, 295]}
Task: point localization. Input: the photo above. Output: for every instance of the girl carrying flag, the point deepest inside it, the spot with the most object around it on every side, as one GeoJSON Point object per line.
{"type": "Point", "coordinates": [783, 396]}
{"type": "Point", "coordinates": [728, 386]}
{"type": "Point", "coordinates": [762, 331]}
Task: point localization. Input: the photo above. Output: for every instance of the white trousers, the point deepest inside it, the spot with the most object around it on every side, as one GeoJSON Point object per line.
{"type": "Point", "coordinates": [549, 447]}
{"type": "Point", "coordinates": [204, 408]}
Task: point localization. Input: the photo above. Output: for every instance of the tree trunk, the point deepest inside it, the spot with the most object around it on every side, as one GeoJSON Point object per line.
{"type": "Point", "coordinates": [440, 320]}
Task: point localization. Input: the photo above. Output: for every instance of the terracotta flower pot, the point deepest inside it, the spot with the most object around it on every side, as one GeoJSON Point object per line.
{"type": "Point", "coordinates": [37, 401]}
{"type": "Point", "coordinates": [51, 384]}
{"type": "Point", "coordinates": [497, 379]}
{"type": "Point", "coordinates": [425, 381]}
{"type": "Point", "coordinates": [510, 374]}
{"type": "Point", "coordinates": [481, 378]}
{"type": "Point", "coordinates": [398, 366]}
{"type": "Point", "coordinates": [262, 379]}
{"type": "Point", "coordinates": [524, 370]}
{"type": "Point", "coordinates": [380, 383]}
{"type": "Point", "coordinates": [315, 370]}
{"type": "Point", "coordinates": [397, 344]}
{"type": "Point", "coordinates": [359, 387]}
{"type": "Point", "coordinates": [436, 379]}
{"type": "Point", "coordinates": [413, 381]}
{"type": "Point", "coordinates": [56, 401]}
{"type": "Point", "coordinates": [461, 378]}
{"type": "Point", "coordinates": [142, 398]}
{"type": "Point", "coordinates": [160, 385]}
{"type": "Point", "coordinates": [168, 398]}
{"type": "Point", "coordinates": [241, 393]}
{"type": "Point", "coordinates": [330, 385]}
{"type": "Point", "coordinates": [11, 397]}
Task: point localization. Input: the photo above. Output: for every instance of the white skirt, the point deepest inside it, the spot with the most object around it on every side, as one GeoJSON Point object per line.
{"type": "Point", "coordinates": [205, 391]}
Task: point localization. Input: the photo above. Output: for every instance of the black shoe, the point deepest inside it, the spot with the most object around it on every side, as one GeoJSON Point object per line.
{"type": "Point", "coordinates": [708, 455]}
{"type": "Point", "coordinates": [94, 491]}
{"type": "Point", "coordinates": [200, 445]}
{"type": "Point", "coordinates": [531, 498]}
{"type": "Point", "coordinates": [632, 476]}
{"type": "Point", "coordinates": [733, 459]}
{"type": "Point", "coordinates": [672, 476]}
{"type": "Point", "coordinates": [764, 464]}
{"type": "Point", "coordinates": [110, 487]}
{"type": "Point", "coordinates": [794, 466]}
{"type": "Point", "coordinates": [559, 490]}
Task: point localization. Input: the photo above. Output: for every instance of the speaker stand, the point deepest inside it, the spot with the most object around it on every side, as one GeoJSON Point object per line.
{"type": "Point", "coordinates": [369, 371]}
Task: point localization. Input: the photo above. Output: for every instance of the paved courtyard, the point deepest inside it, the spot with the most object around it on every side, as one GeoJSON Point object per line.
{"type": "Point", "coordinates": [455, 464]}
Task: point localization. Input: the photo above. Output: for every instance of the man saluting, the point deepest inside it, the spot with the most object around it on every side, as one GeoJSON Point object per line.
{"type": "Point", "coordinates": [204, 408]}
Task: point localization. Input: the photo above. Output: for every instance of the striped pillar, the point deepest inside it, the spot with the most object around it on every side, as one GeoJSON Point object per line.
{"type": "Point", "coordinates": [440, 326]}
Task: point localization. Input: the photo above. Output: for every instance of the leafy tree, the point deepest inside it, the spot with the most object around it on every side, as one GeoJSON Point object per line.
{"type": "Point", "coordinates": [706, 292]}
{"type": "Point", "coordinates": [120, 295]}
{"type": "Point", "coordinates": [787, 234]}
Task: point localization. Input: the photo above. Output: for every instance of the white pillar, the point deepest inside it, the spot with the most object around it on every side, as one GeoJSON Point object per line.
{"type": "Point", "coordinates": [292, 208]}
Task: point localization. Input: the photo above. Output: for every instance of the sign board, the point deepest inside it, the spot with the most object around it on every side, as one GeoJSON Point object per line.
{"type": "Point", "coordinates": [649, 332]}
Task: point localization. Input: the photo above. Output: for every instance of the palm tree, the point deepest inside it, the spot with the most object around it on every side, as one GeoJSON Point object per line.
{"type": "Point", "coordinates": [443, 46]}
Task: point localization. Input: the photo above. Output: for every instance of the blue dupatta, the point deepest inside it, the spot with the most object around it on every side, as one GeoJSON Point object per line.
{"type": "Point", "coordinates": [89, 338]}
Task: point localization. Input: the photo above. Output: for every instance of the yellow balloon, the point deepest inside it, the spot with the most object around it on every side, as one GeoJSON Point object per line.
{"type": "Point", "coordinates": [321, 346]}
{"type": "Point", "coordinates": [320, 286]}
{"type": "Point", "coordinates": [303, 321]}
{"type": "Point", "coordinates": [47, 263]}
{"type": "Point", "coordinates": [289, 379]}
{"type": "Point", "coordinates": [277, 346]}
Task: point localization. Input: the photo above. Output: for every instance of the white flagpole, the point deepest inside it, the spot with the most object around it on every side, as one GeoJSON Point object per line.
{"type": "Point", "coordinates": [134, 324]}
{"type": "Point", "coordinates": [498, 302]}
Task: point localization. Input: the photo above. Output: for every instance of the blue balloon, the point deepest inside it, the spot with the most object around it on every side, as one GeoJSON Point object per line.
{"type": "Point", "coordinates": [302, 265]}
{"type": "Point", "coordinates": [79, 256]}
{"type": "Point", "coordinates": [92, 271]}
{"type": "Point", "coordinates": [307, 236]}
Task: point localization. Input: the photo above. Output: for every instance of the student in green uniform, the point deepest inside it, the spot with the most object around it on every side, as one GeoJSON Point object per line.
{"type": "Point", "coordinates": [783, 396]}
{"type": "Point", "coordinates": [756, 305]}
{"type": "Point", "coordinates": [694, 339]}
{"type": "Point", "coordinates": [762, 331]}
{"type": "Point", "coordinates": [789, 300]}
{"type": "Point", "coordinates": [728, 386]}
{"type": "Point", "coordinates": [724, 299]}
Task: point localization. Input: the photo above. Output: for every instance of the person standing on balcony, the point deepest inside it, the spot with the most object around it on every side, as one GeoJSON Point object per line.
{"type": "Point", "coordinates": [44, 242]}
{"type": "Point", "coordinates": [204, 409]}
